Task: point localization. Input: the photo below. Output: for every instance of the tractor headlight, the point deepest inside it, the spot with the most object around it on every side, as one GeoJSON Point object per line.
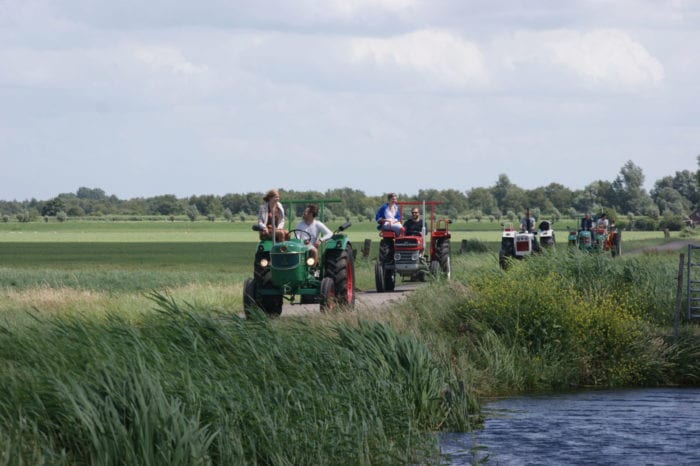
{"type": "Point", "coordinates": [397, 256]}
{"type": "Point", "coordinates": [264, 262]}
{"type": "Point", "coordinates": [310, 261]}
{"type": "Point", "coordinates": [414, 256]}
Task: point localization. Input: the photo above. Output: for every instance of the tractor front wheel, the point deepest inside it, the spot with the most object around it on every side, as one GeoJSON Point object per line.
{"type": "Point", "coordinates": [327, 294]}
{"type": "Point", "coordinates": [379, 277]}
{"type": "Point", "coordinates": [249, 303]}
{"type": "Point", "coordinates": [389, 280]}
{"type": "Point", "coordinates": [272, 305]}
{"type": "Point", "coordinates": [443, 251]}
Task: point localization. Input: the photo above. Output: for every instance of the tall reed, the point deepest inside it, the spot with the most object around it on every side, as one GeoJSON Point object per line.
{"type": "Point", "coordinates": [187, 385]}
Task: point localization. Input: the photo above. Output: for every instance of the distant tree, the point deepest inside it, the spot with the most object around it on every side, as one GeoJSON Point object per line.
{"type": "Point", "coordinates": [206, 204]}
{"type": "Point", "coordinates": [629, 194]}
{"type": "Point", "coordinates": [52, 207]}
{"type": "Point", "coordinates": [670, 201]}
{"type": "Point", "coordinates": [192, 212]}
{"type": "Point", "coordinates": [211, 217]}
{"type": "Point", "coordinates": [24, 217]}
{"type": "Point", "coordinates": [5, 218]}
{"type": "Point", "coordinates": [481, 199]}
{"type": "Point", "coordinates": [163, 205]}
{"type": "Point", "coordinates": [684, 183]}
{"type": "Point", "coordinates": [559, 195]}
{"type": "Point", "coordinates": [75, 211]}
{"type": "Point", "coordinates": [228, 215]}
{"type": "Point", "coordinates": [95, 194]}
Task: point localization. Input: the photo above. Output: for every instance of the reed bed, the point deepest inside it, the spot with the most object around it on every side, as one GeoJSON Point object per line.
{"type": "Point", "coordinates": [187, 385]}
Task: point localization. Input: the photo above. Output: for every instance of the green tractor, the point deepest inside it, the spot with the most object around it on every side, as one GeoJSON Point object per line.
{"type": "Point", "coordinates": [283, 270]}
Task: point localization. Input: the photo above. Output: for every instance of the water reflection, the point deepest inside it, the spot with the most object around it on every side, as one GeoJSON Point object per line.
{"type": "Point", "coordinates": [621, 427]}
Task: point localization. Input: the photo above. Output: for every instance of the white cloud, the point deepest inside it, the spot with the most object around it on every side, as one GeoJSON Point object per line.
{"type": "Point", "coordinates": [350, 8]}
{"type": "Point", "coordinates": [600, 57]}
{"type": "Point", "coordinates": [166, 59]}
{"type": "Point", "coordinates": [437, 54]}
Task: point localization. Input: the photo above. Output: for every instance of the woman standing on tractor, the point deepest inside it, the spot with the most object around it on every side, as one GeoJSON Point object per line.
{"type": "Point", "coordinates": [271, 216]}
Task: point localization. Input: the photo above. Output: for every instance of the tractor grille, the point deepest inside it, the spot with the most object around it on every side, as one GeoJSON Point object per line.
{"type": "Point", "coordinates": [407, 252]}
{"type": "Point", "coordinates": [282, 261]}
{"type": "Point", "coordinates": [407, 243]}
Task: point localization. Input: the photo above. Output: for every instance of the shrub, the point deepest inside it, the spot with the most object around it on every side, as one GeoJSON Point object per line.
{"type": "Point", "coordinates": [192, 212]}
{"type": "Point", "coordinates": [672, 222]}
{"type": "Point", "coordinates": [645, 224]}
{"type": "Point", "coordinates": [61, 216]}
{"type": "Point", "coordinates": [474, 245]}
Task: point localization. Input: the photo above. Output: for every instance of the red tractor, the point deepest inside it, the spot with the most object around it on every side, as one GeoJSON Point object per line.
{"type": "Point", "coordinates": [404, 254]}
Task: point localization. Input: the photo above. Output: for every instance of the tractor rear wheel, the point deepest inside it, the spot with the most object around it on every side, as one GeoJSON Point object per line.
{"type": "Point", "coordinates": [327, 294]}
{"type": "Point", "coordinates": [340, 267]}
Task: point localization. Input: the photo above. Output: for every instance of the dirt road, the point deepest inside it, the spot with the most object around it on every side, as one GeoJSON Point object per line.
{"type": "Point", "coordinates": [364, 300]}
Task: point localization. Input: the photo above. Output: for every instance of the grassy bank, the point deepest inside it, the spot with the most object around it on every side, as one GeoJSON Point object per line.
{"type": "Point", "coordinates": [95, 368]}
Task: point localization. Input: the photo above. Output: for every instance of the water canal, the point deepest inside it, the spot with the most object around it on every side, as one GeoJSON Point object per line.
{"type": "Point", "coordinates": [611, 427]}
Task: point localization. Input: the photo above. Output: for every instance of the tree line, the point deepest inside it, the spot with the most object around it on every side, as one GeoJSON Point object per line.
{"type": "Point", "coordinates": [672, 196]}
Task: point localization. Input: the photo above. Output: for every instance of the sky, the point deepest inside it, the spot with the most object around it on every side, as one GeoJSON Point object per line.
{"type": "Point", "coordinates": [218, 96]}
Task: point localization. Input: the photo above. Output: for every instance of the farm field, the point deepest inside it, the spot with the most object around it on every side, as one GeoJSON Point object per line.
{"type": "Point", "coordinates": [153, 231]}
{"type": "Point", "coordinates": [101, 267]}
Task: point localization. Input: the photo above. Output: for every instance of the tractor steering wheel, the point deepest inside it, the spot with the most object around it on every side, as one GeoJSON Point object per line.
{"type": "Point", "coordinates": [301, 234]}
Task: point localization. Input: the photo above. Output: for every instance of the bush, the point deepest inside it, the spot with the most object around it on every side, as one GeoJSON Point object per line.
{"type": "Point", "coordinates": [474, 245]}
{"type": "Point", "coordinates": [672, 223]}
{"type": "Point", "coordinates": [645, 224]}
{"type": "Point", "coordinates": [588, 323]}
{"type": "Point", "coordinates": [61, 216]}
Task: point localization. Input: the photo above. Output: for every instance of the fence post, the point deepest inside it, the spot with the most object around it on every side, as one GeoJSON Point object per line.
{"type": "Point", "coordinates": [679, 292]}
{"type": "Point", "coordinates": [366, 248]}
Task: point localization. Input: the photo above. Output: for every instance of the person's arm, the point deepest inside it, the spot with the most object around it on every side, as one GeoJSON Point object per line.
{"type": "Point", "coordinates": [262, 216]}
{"type": "Point", "coordinates": [324, 232]}
{"type": "Point", "coordinates": [379, 217]}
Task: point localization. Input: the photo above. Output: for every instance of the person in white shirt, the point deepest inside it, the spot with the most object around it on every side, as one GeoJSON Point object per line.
{"type": "Point", "coordinates": [603, 221]}
{"type": "Point", "coordinates": [271, 216]}
{"type": "Point", "coordinates": [317, 231]}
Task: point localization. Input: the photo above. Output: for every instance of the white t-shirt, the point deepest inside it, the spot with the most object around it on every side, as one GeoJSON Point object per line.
{"type": "Point", "coordinates": [317, 230]}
